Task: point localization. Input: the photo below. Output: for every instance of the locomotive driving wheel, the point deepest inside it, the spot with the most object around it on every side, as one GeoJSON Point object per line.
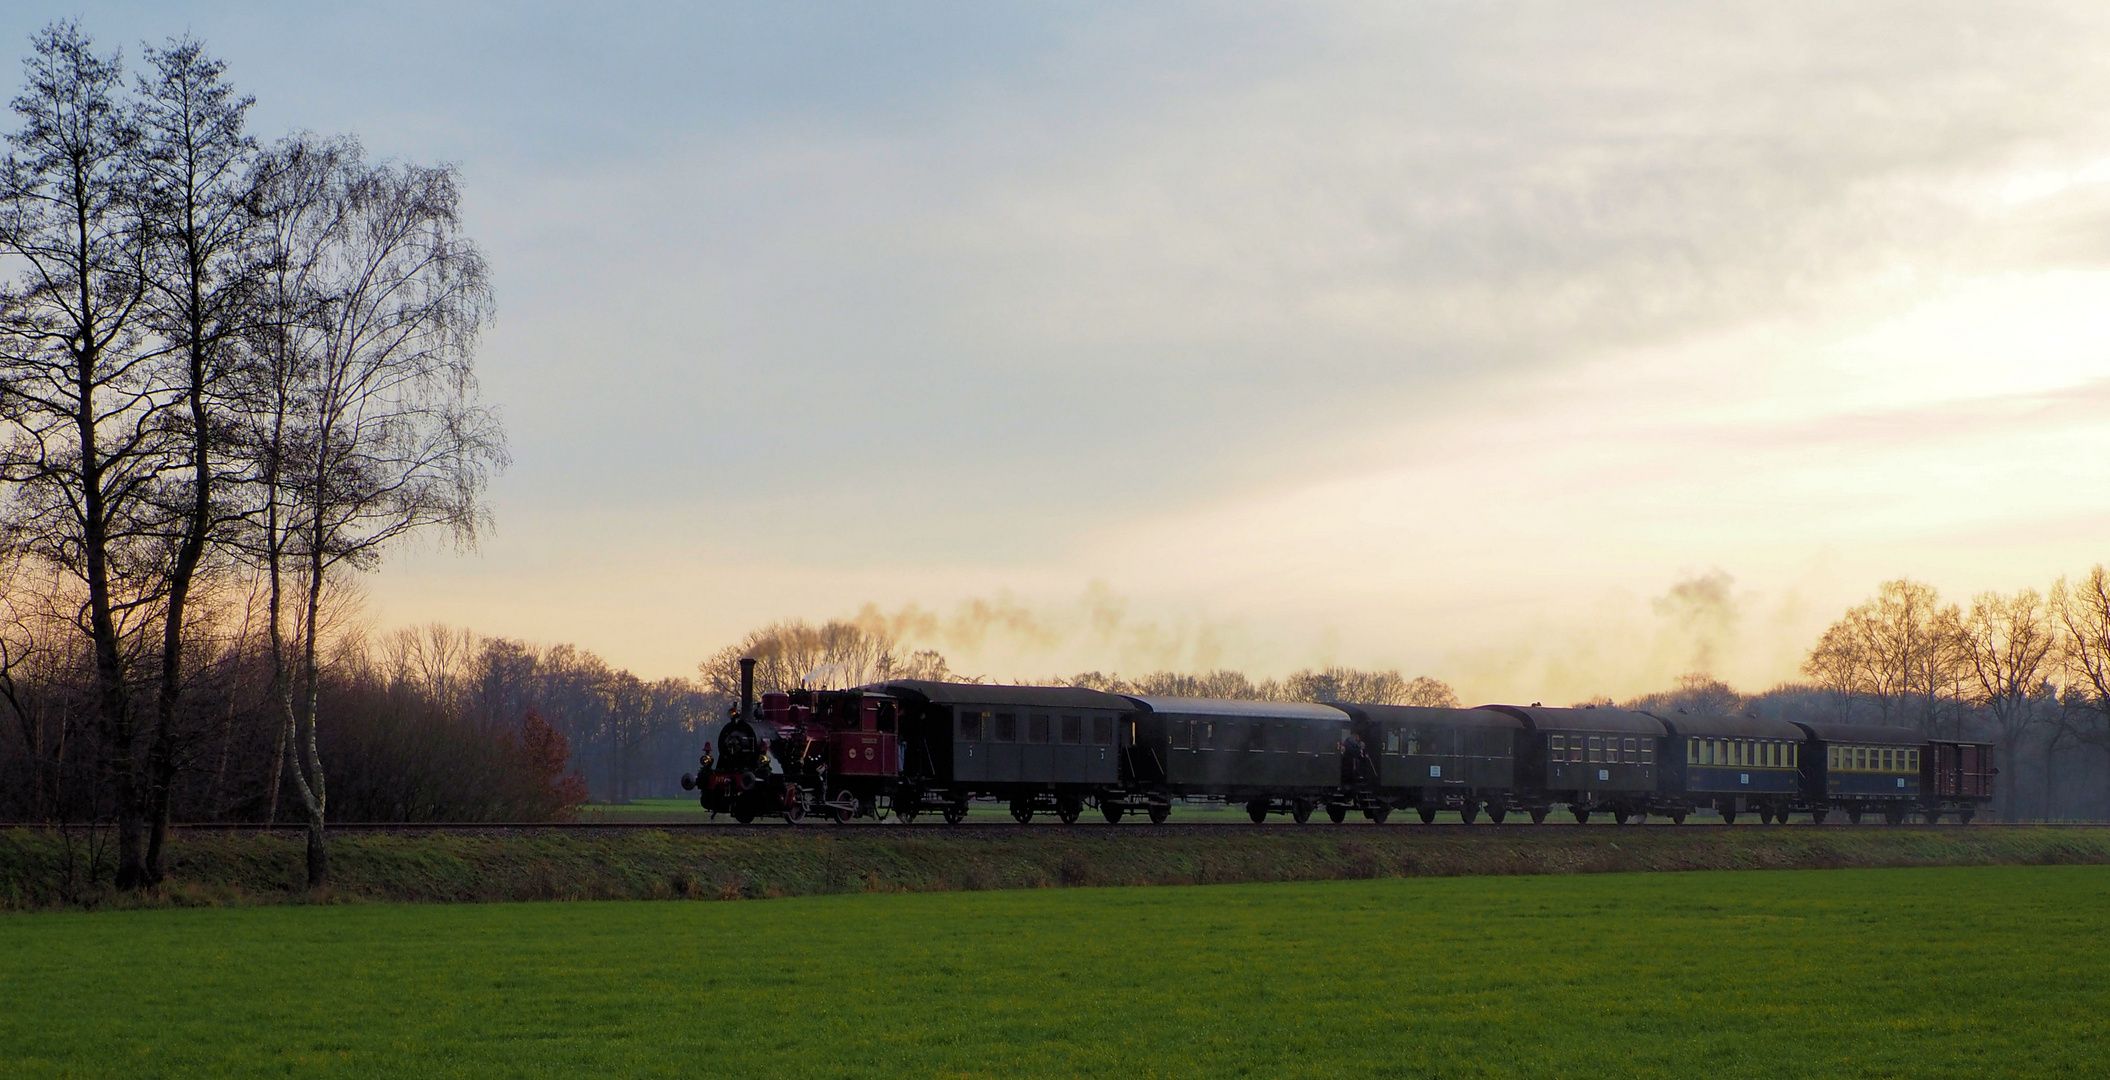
{"type": "Point", "coordinates": [846, 806]}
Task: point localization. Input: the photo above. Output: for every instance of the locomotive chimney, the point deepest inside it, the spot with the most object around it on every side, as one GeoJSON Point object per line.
{"type": "Point", "coordinates": [747, 687]}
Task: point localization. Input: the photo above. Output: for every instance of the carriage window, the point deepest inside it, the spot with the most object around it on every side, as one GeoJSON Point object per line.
{"type": "Point", "coordinates": [1182, 734]}
{"type": "Point", "coordinates": [1037, 729]}
{"type": "Point", "coordinates": [1392, 741]}
{"type": "Point", "coordinates": [1648, 752]}
{"type": "Point", "coordinates": [1006, 727]}
{"type": "Point", "coordinates": [1692, 752]}
{"type": "Point", "coordinates": [1630, 758]}
{"type": "Point", "coordinates": [1596, 749]}
{"type": "Point", "coordinates": [971, 727]}
{"type": "Point", "coordinates": [1103, 730]}
{"type": "Point", "coordinates": [1256, 736]}
{"type": "Point", "coordinates": [1556, 748]}
{"type": "Point", "coordinates": [1831, 757]}
{"type": "Point", "coordinates": [1793, 755]}
{"type": "Point", "coordinates": [1073, 729]}
{"type": "Point", "coordinates": [1413, 742]}
{"type": "Point", "coordinates": [1913, 762]}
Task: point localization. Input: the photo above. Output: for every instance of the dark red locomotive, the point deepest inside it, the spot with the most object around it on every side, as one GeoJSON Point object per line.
{"type": "Point", "coordinates": [832, 752]}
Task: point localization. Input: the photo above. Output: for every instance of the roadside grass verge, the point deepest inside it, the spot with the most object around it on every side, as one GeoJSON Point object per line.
{"type": "Point", "coordinates": [42, 869]}
{"type": "Point", "coordinates": [1936, 972]}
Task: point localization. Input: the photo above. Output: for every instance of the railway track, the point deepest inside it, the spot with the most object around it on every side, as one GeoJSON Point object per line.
{"type": "Point", "coordinates": [933, 827]}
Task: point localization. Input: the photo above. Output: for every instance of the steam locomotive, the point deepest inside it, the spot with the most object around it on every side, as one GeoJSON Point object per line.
{"type": "Point", "coordinates": [911, 747]}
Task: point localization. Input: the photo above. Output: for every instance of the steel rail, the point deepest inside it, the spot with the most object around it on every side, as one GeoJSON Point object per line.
{"type": "Point", "coordinates": [1513, 828]}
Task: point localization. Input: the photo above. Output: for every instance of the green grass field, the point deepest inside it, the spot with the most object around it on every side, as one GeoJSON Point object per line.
{"type": "Point", "coordinates": [1878, 973]}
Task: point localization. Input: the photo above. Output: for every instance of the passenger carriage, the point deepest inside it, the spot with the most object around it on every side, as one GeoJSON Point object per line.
{"type": "Point", "coordinates": [1863, 768]}
{"type": "Point", "coordinates": [1592, 758]}
{"type": "Point", "coordinates": [1274, 757]}
{"type": "Point", "coordinates": [1731, 765]}
{"type": "Point", "coordinates": [1040, 749]}
{"type": "Point", "coordinates": [1431, 759]}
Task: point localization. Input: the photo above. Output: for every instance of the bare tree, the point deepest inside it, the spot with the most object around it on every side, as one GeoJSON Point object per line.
{"type": "Point", "coordinates": [2008, 644]}
{"type": "Point", "coordinates": [1901, 651]}
{"type": "Point", "coordinates": [194, 178]}
{"type": "Point", "coordinates": [80, 390]}
{"type": "Point", "coordinates": [2082, 614]}
{"type": "Point", "coordinates": [366, 426]}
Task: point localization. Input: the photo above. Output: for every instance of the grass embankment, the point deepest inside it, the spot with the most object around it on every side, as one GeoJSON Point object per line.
{"type": "Point", "coordinates": [1893, 973]}
{"type": "Point", "coordinates": [211, 867]}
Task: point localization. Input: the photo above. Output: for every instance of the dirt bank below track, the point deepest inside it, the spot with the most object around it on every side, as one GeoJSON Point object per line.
{"type": "Point", "coordinates": [44, 868]}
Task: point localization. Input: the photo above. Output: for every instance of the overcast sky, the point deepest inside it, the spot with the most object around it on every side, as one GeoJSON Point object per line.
{"type": "Point", "coordinates": [1551, 349]}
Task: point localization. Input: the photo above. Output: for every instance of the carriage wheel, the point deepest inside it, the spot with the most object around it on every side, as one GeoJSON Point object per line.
{"type": "Point", "coordinates": [1068, 809]}
{"type": "Point", "coordinates": [956, 812]}
{"type": "Point", "coordinates": [1677, 817]}
{"type": "Point", "coordinates": [1582, 817]}
{"type": "Point", "coordinates": [1538, 815]}
{"type": "Point", "coordinates": [1159, 812]}
{"type": "Point", "coordinates": [1112, 812]}
{"type": "Point", "coordinates": [1933, 814]}
{"type": "Point", "coordinates": [1257, 810]}
{"type": "Point", "coordinates": [1428, 815]}
{"type": "Point", "coordinates": [1853, 814]}
{"type": "Point", "coordinates": [1728, 815]}
{"type": "Point", "coordinates": [1496, 813]}
{"type": "Point", "coordinates": [845, 798]}
{"type": "Point", "coordinates": [1963, 816]}
{"type": "Point", "coordinates": [1894, 815]}
{"type": "Point", "coordinates": [1817, 816]}
{"type": "Point", "coordinates": [1337, 813]}
{"type": "Point", "coordinates": [1765, 815]}
{"type": "Point", "coordinates": [1378, 813]}
{"type": "Point", "coordinates": [1470, 812]}
{"type": "Point", "coordinates": [1620, 816]}
{"type": "Point", "coordinates": [1022, 811]}
{"type": "Point", "coordinates": [1300, 811]}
